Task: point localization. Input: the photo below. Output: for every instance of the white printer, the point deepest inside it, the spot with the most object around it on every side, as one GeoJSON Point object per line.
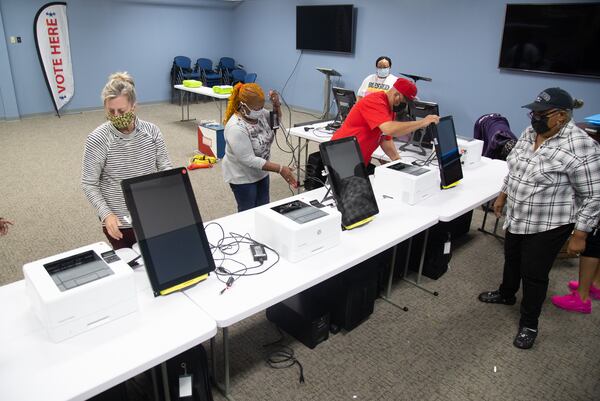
{"type": "Point", "coordinates": [80, 289]}
{"type": "Point", "coordinates": [296, 229]}
{"type": "Point", "coordinates": [471, 150]}
{"type": "Point", "coordinates": [407, 182]}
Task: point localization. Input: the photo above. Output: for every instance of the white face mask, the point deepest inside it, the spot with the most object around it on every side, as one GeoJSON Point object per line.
{"type": "Point", "coordinates": [383, 72]}
{"type": "Point", "coordinates": [252, 114]}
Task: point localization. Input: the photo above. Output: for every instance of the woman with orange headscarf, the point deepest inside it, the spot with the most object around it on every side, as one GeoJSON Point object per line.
{"type": "Point", "coordinates": [249, 137]}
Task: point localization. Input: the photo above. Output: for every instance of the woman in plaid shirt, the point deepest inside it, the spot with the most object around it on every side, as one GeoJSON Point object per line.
{"type": "Point", "coordinates": [551, 192]}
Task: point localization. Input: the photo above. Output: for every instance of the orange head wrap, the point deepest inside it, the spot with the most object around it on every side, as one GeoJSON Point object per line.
{"type": "Point", "coordinates": [242, 93]}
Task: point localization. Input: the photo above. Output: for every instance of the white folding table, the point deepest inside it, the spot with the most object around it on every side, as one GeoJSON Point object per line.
{"type": "Point", "coordinates": [395, 223]}
{"type": "Point", "coordinates": [202, 90]}
{"type": "Point", "coordinates": [32, 367]}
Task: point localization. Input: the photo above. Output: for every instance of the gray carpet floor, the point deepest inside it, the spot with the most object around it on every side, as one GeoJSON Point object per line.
{"type": "Point", "coordinates": [449, 347]}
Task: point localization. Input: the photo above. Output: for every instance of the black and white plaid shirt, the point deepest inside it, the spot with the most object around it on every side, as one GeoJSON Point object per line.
{"type": "Point", "coordinates": [557, 184]}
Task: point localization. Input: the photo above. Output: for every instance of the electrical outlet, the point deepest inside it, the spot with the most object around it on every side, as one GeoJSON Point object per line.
{"type": "Point", "coordinates": [13, 40]}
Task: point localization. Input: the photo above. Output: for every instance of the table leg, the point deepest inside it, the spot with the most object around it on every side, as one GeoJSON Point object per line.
{"type": "Point", "coordinates": [386, 297]}
{"type": "Point", "coordinates": [188, 105]}
{"type": "Point", "coordinates": [392, 268]}
{"type": "Point", "coordinates": [213, 358]}
{"type": "Point", "coordinates": [187, 96]}
{"type": "Point", "coordinates": [483, 230]}
{"type": "Point", "coordinates": [220, 112]}
{"type": "Point", "coordinates": [219, 104]}
{"type": "Point", "coordinates": [496, 228]}
{"type": "Point", "coordinates": [226, 358]}
{"type": "Point", "coordinates": [181, 103]}
{"type": "Point", "coordinates": [422, 261]}
{"type": "Point", "coordinates": [406, 263]}
{"type": "Point", "coordinates": [305, 154]}
{"type": "Point", "coordinates": [298, 161]}
{"type": "Point", "coordinates": [487, 207]}
{"type": "Point", "coordinates": [165, 378]}
{"type": "Point", "coordinates": [223, 387]}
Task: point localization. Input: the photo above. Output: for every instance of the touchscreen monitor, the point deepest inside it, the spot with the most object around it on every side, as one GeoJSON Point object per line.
{"type": "Point", "coordinates": [344, 100]}
{"type": "Point", "coordinates": [447, 152]}
{"type": "Point", "coordinates": [349, 181]}
{"type": "Point", "coordinates": [169, 229]}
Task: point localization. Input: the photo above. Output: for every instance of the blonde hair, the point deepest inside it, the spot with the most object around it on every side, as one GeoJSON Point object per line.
{"type": "Point", "coordinates": [242, 93]}
{"type": "Point", "coordinates": [119, 84]}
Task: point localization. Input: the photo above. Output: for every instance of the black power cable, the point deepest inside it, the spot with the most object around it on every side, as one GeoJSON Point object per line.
{"type": "Point", "coordinates": [281, 356]}
{"type": "Point", "coordinates": [229, 246]}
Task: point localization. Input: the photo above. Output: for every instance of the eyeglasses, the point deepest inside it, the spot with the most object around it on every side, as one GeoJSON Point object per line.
{"type": "Point", "coordinates": [537, 116]}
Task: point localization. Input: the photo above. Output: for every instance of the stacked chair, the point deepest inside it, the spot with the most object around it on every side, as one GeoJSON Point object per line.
{"type": "Point", "coordinates": [226, 72]}
{"type": "Point", "coordinates": [227, 66]}
{"type": "Point", "coordinates": [250, 78]}
{"type": "Point", "coordinates": [208, 76]}
{"type": "Point", "coordinates": [237, 75]}
{"type": "Point", "coordinates": [181, 70]}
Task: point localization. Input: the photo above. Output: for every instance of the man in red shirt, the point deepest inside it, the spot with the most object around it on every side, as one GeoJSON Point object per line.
{"type": "Point", "coordinates": [374, 114]}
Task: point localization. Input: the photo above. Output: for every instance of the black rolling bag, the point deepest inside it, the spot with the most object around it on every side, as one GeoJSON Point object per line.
{"type": "Point", "coordinates": [194, 363]}
{"type": "Point", "coordinates": [351, 295]}
{"type": "Point", "coordinates": [439, 248]}
{"type": "Point", "coordinates": [189, 367]}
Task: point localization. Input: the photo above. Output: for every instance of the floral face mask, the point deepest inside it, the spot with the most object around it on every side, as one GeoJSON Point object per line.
{"type": "Point", "coordinates": [123, 121]}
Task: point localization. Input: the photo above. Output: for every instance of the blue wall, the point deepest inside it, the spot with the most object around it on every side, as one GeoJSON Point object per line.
{"type": "Point", "coordinates": [8, 102]}
{"type": "Point", "coordinates": [141, 37]}
{"type": "Point", "coordinates": [454, 42]}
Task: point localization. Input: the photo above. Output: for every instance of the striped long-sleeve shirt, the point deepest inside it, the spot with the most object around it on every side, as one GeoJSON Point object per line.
{"type": "Point", "coordinates": [557, 184]}
{"type": "Point", "coordinates": [111, 156]}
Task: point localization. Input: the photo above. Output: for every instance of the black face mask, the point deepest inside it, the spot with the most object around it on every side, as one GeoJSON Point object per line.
{"type": "Point", "coordinates": [540, 124]}
{"type": "Point", "coordinates": [401, 108]}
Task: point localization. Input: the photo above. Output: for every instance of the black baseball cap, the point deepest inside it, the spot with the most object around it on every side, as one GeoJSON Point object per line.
{"type": "Point", "coordinates": [551, 98]}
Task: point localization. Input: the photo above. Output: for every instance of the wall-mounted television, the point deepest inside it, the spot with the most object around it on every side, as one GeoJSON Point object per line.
{"type": "Point", "coordinates": [325, 28]}
{"type": "Point", "coordinates": [552, 38]}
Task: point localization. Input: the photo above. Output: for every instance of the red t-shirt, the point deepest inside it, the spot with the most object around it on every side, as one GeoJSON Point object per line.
{"type": "Point", "coordinates": [363, 122]}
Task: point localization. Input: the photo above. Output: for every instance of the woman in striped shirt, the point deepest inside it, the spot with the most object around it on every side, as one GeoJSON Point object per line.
{"type": "Point", "coordinates": [123, 147]}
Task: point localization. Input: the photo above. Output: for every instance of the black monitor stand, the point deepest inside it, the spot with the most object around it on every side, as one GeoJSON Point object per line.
{"type": "Point", "coordinates": [415, 140]}
{"type": "Point", "coordinates": [329, 72]}
{"type": "Point", "coordinates": [344, 100]}
{"type": "Point", "coordinates": [420, 109]}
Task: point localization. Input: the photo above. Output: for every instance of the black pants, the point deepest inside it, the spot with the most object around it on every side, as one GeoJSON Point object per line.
{"type": "Point", "coordinates": [529, 257]}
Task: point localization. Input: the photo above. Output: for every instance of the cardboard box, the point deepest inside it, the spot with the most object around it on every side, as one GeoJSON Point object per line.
{"type": "Point", "coordinates": [211, 140]}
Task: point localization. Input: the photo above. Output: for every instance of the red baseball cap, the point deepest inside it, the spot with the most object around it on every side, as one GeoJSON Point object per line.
{"type": "Point", "coordinates": [406, 87]}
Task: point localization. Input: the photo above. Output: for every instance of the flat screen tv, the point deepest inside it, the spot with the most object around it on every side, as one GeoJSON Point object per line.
{"type": "Point", "coordinates": [325, 28]}
{"type": "Point", "coordinates": [552, 38]}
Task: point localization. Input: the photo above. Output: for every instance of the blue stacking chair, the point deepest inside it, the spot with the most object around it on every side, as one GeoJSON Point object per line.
{"type": "Point", "coordinates": [226, 66]}
{"type": "Point", "coordinates": [183, 67]}
{"type": "Point", "coordinates": [209, 76]}
{"type": "Point", "coordinates": [238, 75]}
{"type": "Point", "coordinates": [180, 70]}
{"type": "Point", "coordinates": [250, 77]}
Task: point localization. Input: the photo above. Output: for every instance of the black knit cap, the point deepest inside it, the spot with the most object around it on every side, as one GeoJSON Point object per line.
{"type": "Point", "coordinates": [551, 98]}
